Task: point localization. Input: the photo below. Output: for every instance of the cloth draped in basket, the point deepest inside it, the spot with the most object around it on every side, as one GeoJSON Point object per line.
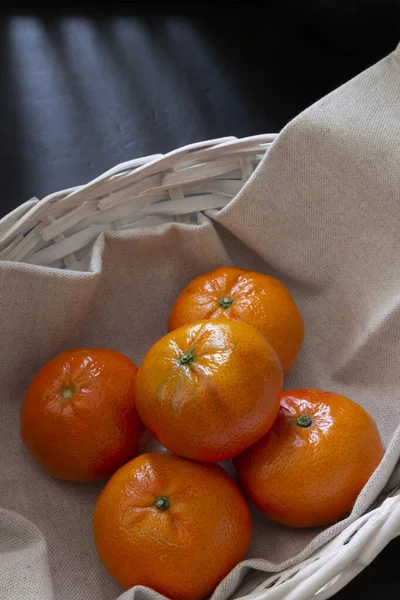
{"type": "Point", "coordinates": [322, 213]}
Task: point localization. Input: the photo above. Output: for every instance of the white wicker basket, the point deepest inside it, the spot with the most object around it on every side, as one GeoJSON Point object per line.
{"type": "Point", "coordinates": [59, 231]}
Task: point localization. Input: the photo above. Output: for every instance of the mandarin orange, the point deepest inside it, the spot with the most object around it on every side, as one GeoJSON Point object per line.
{"type": "Point", "coordinates": [171, 524]}
{"type": "Point", "coordinates": [309, 469]}
{"type": "Point", "coordinates": [209, 390]}
{"type": "Point", "coordinates": [78, 417]}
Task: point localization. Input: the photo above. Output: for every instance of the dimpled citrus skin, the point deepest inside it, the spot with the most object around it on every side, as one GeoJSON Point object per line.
{"type": "Point", "coordinates": [311, 476]}
{"type": "Point", "coordinates": [96, 428]}
{"type": "Point", "coordinates": [220, 402]}
{"type": "Point", "coordinates": [252, 297]}
{"type": "Point", "coordinates": [183, 551]}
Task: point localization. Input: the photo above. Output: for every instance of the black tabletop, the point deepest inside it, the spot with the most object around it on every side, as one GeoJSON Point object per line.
{"type": "Point", "coordinates": [83, 90]}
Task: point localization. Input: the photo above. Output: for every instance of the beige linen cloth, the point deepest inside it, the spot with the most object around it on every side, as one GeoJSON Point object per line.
{"type": "Point", "coordinates": [322, 213]}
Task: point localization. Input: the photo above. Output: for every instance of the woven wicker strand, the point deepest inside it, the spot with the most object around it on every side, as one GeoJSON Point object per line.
{"type": "Point", "coordinates": [339, 561]}
{"type": "Point", "coordinates": [182, 186]}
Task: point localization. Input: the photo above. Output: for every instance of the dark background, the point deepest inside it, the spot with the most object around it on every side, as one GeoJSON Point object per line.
{"type": "Point", "coordinates": [87, 85]}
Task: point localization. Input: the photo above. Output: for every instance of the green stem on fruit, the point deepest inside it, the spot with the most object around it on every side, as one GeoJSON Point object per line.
{"type": "Point", "coordinates": [304, 421]}
{"type": "Point", "coordinates": [225, 302]}
{"type": "Point", "coordinates": [162, 503]}
{"type": "Point", "coordinates": [187, 359]}
{"type": "Point", "coordinates": [67, 393]}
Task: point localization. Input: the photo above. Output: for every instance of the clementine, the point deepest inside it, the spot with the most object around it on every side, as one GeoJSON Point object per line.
{"type": "Point", "coordinates": [209, 390]}
{"type": "Point", "coordinates": [171, 524]}
{"type": "Point", "coordinates": [310, 468]}
{"type": "Point", "coordinates": [78, 417]}
{"type": "Point", "coordinates": [247, 296]}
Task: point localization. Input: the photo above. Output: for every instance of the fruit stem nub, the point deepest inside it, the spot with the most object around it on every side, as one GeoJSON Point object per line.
{"type": "Point", "coordinates": [162, 503]}
{"type": "Point", "coordinates": [67, 392]}
{"type": "Point", "coordinates": [304, 421]}
{"type": "Point", "coordinates": [225, 302]}
{"type": "Point", "coordinates": [187, 358]}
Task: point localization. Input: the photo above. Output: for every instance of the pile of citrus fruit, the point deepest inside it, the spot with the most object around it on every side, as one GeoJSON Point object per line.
{"type": "Point", "coordinates": [208, 391]}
